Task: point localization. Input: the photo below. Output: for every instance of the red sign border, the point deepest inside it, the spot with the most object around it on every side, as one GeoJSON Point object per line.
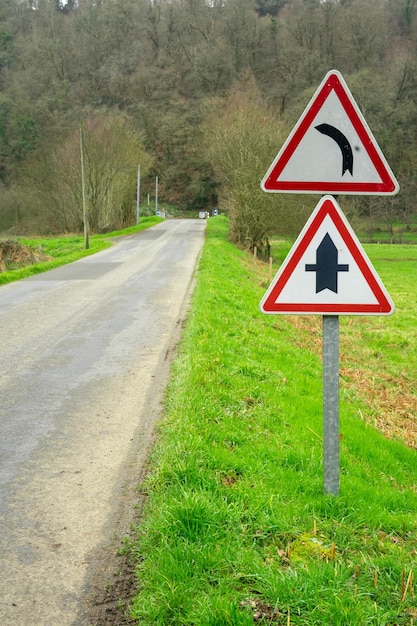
{"type": "Point", "coordinates": [332, 81]}
{"type": "Point", "coordinates": [327, 207]}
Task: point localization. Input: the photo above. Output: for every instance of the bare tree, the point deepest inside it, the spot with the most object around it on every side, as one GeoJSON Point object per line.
{"type": "Point", "coordinates": [243, 142]}
{"type": "Point", "coordinates": [112, 152]}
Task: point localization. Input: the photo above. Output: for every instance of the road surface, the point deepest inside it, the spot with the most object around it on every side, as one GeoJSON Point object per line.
{"type": "Point", "coordinates": [84, 357]}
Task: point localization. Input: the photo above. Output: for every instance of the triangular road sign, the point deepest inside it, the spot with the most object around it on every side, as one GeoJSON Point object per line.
{"type": "Point", "coordinates": [327, 271]}
{"type": "Point", "coordinates": [331, 149]}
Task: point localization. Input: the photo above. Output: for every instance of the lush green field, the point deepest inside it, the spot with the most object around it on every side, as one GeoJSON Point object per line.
{"type": "Point", "coordinates": [236, 528]}
{"type": "Point", "coordinates": [61, 250]}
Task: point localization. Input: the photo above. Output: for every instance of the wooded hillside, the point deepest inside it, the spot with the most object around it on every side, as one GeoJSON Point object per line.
{"type": "Point", "coordinates": [200, 93]}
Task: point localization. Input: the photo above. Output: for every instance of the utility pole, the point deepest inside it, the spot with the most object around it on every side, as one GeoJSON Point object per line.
{"type": "Point", "coordinates": [138, 197]}
{"type": "Point", "coordinates": [156, 196]}
{"type": "Point", "coordinates": [85, 218]}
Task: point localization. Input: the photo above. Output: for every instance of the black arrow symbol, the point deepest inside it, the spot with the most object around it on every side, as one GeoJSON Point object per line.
{"type": "Point", "coordinates": [326, 266]}
{"type": "Point", "coordinates": [343, 143]}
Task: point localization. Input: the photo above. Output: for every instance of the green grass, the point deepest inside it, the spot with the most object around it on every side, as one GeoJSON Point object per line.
{"type": "Point", "coordinates": [236, 522]}
{"type": "Point", "coordinates": [400, 234]}
{"type": "Point", "coordinates": [63, 250]}
{"type": "Point", "coordinates": [390, 340]}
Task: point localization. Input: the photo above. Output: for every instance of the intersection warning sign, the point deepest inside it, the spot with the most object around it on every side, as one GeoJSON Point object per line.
{"type": "Point", "coordinates": [327, 271]}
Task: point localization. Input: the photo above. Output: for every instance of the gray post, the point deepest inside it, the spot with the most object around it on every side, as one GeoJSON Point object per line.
{"type": "Point", "coordinates": [331, 403]}
{"type": "Point", "coordinates": [85, 217]}
{"type": "Point", "coordinates": [138, 196]}
{"type": "Point", "coordinates": [156, 195]}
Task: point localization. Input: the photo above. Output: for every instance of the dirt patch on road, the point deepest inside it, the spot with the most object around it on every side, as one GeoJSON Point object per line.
{"type": "Point", "coordinates": [108, 603]}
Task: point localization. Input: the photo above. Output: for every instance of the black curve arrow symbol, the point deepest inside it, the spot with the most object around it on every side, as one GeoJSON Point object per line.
{"type": "Point", "coordinates": [343, 143]}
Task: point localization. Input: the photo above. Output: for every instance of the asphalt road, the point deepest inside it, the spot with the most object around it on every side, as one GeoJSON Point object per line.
{"type": "Point", "coordinates": [84, 357]}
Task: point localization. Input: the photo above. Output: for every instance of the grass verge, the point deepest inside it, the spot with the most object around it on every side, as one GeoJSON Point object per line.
{"type": "Point", "coordinates": [62, 250]}
{"type": "Point", "coordinates": [237, 529]}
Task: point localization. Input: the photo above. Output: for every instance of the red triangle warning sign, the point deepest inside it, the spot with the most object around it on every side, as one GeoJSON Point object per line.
{"type": "Point", "coordinates": [327, 271]}
{"type": "Point", "coordinates": [331, 149]}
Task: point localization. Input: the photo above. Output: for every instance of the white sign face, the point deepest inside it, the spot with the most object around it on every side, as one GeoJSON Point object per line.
{"type": "Point", "coordinates": [333, 164]}
{"type": "Point", "coordinates": [331, 149]}
{"type": "Point", "coordinates": [327, 271]}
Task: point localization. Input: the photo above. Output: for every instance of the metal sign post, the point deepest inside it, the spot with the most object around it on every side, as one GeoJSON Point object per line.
{"type": "Point", "coordinates": [331, 150]}
{"type": "Point", "coordinates": [331, 404]}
